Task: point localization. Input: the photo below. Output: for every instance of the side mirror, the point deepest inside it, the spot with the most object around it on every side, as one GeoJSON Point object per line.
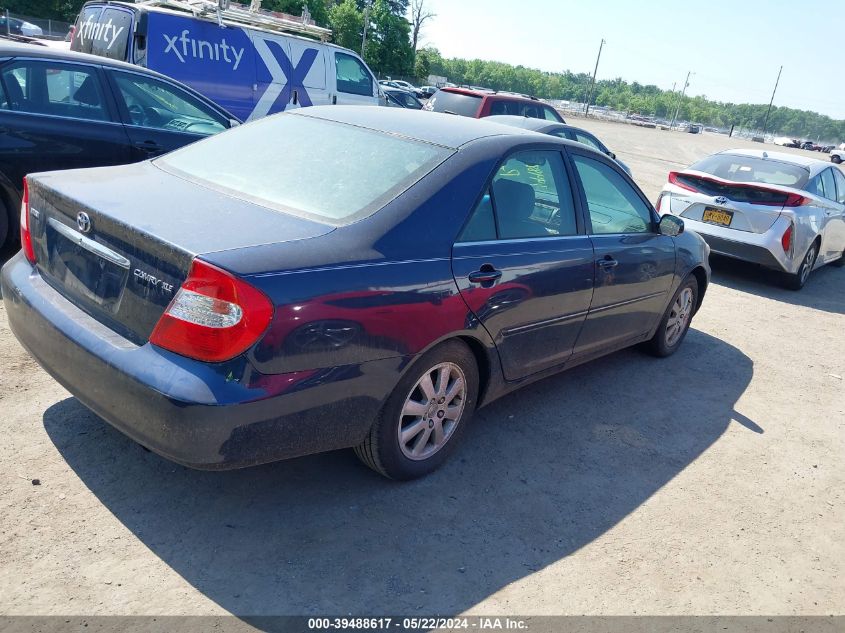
{"type": "Point", "coordinates": [671, 226]}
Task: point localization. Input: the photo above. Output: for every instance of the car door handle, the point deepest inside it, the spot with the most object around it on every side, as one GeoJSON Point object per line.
{"type": "Point", "coordinates": [607, 262]}
{"type": "Point", "coordinates": [151, 147]}
{"type": "Point", "coordinates": [487, 274]}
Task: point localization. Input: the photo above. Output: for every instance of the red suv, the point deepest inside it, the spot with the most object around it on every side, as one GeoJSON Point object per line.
{"type": "Point", "coordinates": [481, 103]}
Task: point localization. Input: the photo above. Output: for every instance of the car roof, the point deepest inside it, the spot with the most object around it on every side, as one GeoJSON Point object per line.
{"type": "Point", "coordinates": [527, 123]}
{"type": "Point", "coordinates": [813, 165]}
{"type": "Point", "coordinates": [447, 130]}
{"type": "Point", "coordinates": [10, 48]}
{"type": "Point", "coordinates": [493, 94]}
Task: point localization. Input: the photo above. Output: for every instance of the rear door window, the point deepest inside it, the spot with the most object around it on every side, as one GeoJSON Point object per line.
{"type": "Point", "coordinates": [86, 27]}
{"type": "Point", "coordinates": [455, 103]}
{"type": "Point", "coordinates": [531, 198]}
{"type": "Point", "coordinates": [111, 38]}
{"type": "Point", "coordinates": [55, 89]}
{"type": "Point", "coordinates": [840, 186]}
{"type": "Point", "coordinates": [829, 186]}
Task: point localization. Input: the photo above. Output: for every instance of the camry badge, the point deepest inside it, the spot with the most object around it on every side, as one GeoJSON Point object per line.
{"type": "Point", "coordinates": [721, 200]}
{"type": "Point", "coordinates": [83, 222]}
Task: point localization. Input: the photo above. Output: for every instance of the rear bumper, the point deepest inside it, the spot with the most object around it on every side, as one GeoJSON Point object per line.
{"type": "Point", "coordinates": [759, 248]}
{"type": "Point", "coordinates": [187, 411]}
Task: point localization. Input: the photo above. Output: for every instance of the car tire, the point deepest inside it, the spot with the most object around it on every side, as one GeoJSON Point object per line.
{"type": "Point", "coordinates": [835, 159]}
{"type": "Point", "coordinates": [422, 401]}
{"type": "Point", "coordinates": [5, 225]}
{"type": "Point", "coordinates": [796, 281]}
{"type": "Point", "coordinates": [676, 320]}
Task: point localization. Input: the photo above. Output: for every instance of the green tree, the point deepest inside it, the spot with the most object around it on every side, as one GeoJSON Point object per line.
{"type": "Point", "coordinates": [347, 24]}
{"type": "Point", "coordinates": [65, 10]}
{"type": "Point", "coordinates": [388, 49]}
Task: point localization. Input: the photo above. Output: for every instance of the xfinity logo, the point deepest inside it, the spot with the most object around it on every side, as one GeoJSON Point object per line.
{"type": "Point", "coordinates": [105, 32]}
{"type": "Point", "coordinates": [183, 47]}
{"type": "Point", "coordinates": [146, 279]}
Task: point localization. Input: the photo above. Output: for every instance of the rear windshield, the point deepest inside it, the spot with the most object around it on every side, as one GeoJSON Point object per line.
{"type": "Point", "coordinates": [103, 32]}
{"type": "Point", "coordinates": [454, 103]}
{"type": "Point", "coordinates": [327, 171]}
{"type": "Point", "coordinates": [752, 169]}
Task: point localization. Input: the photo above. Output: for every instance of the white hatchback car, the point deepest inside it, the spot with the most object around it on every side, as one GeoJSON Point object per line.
{"type": "Point", "coordinates": [782, 211]}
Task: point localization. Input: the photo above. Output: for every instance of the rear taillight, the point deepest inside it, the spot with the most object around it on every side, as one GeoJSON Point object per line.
{"type": "Point", "coordinates": [26, 235]}
{"type": "Point", "coordinates": [214, 316]}
{"type": "Point", "coordinates": [796, 200]}
{"type": "Point", "coordinates": [786, 239]}
{"type": "Point", "coordinates": [680, 181]}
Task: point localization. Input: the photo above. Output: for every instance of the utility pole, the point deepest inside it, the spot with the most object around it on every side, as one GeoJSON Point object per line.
{"type": "Point", "coordinates": [593, 82]}
{"type": "Point", "coordinates": [766, 122]}
{"type": "Point", "coordinates": [366, 22]}
{"type": "Point", "coordinates": [683, 92]}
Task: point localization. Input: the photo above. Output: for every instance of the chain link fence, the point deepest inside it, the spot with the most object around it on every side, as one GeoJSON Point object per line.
{"type": "Point", "coordinates": [16, 24]}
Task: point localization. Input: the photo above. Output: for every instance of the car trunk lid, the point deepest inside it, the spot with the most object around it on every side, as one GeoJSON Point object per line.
{"type": "Point", "coordinates": [736, 205]}
{"type": "Point", "coordinates": [119, 241]}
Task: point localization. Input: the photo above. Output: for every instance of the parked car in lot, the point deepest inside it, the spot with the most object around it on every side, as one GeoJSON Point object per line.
{"type": "Point", "coordinates": [427, 91]}
{"type": "Point", "coordinates": [340, 277]}
{"type": "Point", "coordinates": [243, 63]}
{"type": "Point", "coordinates": [561, 131]}
{"type": "Point", "coordinates": [402, 85]}
{"type": "Point", "coordinates": [16, 26]}
{"type": "Point", "coordinates": [483, 103]}
{"type": "Point", "coordinates": [64, 110]}
{"type": "Point", "coordinates": [398, 98]}
{"type": "Point", "coordinates": [782, 211]}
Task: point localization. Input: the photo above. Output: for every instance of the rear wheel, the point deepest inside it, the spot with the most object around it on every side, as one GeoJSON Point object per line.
{"type": "Point", "coordinates": [834, 158]}
{"type": "Point", "coordinates": [4, 225]}
{"type": "Point", "coordinates": [425, 416]}
{"type": "Point", "coordinates": [796, 281]}
{"type": "Point", "coordinates": [676, 321]}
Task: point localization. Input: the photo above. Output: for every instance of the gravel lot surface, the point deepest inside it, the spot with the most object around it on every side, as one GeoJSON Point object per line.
{"type": "Point", "coordinates": [710, 482]}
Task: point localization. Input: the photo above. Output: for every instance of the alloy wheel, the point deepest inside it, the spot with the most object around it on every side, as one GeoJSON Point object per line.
{"type": "Point", "coordinates": [679, 316]}
{"type": "Point", "coordinates": [432, 411]}
{"type": "Point", "coordinates": [807, 264]}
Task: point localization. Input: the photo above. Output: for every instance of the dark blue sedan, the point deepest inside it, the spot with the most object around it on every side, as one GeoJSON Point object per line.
{"type": "Point", "coordinates": [340, 277]}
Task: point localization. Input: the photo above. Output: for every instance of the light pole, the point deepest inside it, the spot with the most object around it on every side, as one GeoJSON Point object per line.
{"type": "Point", "coordinates": [766, 122]}
{"type": "Point", "coordinates": [683, 92]}
{"type": "Point", "coordinates": [593, 82]}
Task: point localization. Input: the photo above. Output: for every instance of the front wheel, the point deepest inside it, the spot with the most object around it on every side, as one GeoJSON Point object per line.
{"type": "Point", "coordinates": [835, 159]}
{"type": "Point", "coordinates": [425, 416]}
{"type": "Point", "coordinates": [796, 281]}
{"type": "Point", "coordinates": [676, 320]}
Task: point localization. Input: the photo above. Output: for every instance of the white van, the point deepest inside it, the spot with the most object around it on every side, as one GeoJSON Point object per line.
{"type": "Point", "coordinates": [247, 62]}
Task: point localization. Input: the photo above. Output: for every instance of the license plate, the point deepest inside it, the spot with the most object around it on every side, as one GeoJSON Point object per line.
{"type": "Point", "coordinates": [717, 216]}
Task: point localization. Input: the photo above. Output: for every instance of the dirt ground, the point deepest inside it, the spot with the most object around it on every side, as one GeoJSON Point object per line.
{"type": "Point", "coordinates": [707, 483]}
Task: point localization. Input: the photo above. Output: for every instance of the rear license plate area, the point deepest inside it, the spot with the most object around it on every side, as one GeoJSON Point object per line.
{"type": "Point", "coordinates": [83, 271]}
{"type": "Point", "coordinates": [717, 216]}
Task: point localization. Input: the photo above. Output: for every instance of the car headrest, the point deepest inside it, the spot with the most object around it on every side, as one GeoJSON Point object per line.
{"type": "Point", "coordinates": [514, 200]}
{"type": "Point", "coordinates": [16, 97]}
{"type": "Point", "coordinates": [87, 93]}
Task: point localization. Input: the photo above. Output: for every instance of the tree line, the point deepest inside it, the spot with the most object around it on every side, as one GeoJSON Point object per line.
{"type": "Point", "coordinates": [391, 42]}
{"type": "Point", "coordinates": [647, 100]}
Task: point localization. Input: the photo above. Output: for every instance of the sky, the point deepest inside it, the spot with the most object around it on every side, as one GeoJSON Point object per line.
{"type": "Point", "coordinates": [734, 48]}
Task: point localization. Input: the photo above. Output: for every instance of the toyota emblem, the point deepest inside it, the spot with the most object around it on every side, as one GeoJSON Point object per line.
{"type": "Point", "coordinates": [721, 200]}
{"type": "Point", "coordinates": [83, 222]}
